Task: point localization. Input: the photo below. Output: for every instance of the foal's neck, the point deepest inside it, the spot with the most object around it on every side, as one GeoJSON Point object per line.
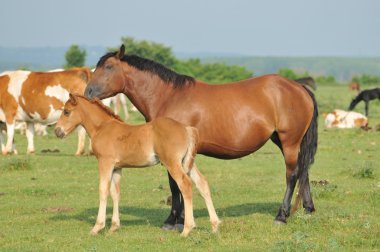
{"type": "Point", "coordinates": [93, 118]}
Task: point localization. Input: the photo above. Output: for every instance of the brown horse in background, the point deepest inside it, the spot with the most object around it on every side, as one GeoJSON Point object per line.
{"type": "Point", "coordinates": [117, 145]}
{"type": "Point", "coordinates": [233, 119]}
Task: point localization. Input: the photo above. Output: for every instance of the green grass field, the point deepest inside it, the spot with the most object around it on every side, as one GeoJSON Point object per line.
{"type": "Point", "coordinates": [49, 201]}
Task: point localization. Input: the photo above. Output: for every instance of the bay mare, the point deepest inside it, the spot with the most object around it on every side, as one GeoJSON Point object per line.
{"type": "Point", "coordinates": [117, 145]}
{"type": "Point", "coordinates": [233, 119]}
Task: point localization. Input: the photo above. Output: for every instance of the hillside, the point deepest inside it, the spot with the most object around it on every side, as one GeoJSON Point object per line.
{"type": "Point", "coordinates": [341, 68]}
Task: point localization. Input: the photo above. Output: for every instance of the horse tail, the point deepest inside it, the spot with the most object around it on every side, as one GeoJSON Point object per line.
{"type": "Point", "coordinates": [307, 152]}
{"type": "Point", "coordinates": [193, 138]}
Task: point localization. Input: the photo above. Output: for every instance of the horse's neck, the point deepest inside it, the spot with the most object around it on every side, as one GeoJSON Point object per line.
{"type": "Point", "coordinates": [93, 118]}
{"type": "Point", "coordinates": [148, 92]}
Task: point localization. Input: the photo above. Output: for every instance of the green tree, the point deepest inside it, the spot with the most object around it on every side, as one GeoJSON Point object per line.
{"type": "Point", "coordinates": [212, 73]}
{"type": "Point", "coordinates": [287, 73]}
{"type": "Point", "coordinates": [149, 50]}
{"type": "Point", "coordinates": [75, 57]}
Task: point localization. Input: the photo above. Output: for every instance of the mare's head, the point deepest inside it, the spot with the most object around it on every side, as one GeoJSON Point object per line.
{"type": "Point", "coordinates": [69, 119]}
{"type": "Point", "coordinates": [108, 78]}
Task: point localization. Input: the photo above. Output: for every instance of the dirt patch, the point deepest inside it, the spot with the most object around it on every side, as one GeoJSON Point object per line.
{"type": "Point", "coordinates": [60, 209]}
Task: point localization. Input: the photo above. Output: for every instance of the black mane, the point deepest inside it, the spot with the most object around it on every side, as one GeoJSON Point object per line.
{"type": "Point", "coordinates": [166, 74]}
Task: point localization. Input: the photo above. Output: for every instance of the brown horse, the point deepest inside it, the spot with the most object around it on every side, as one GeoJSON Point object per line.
{"type": "Point", "coordinates": [233, 119]}
{"type": "Point", "coordinates": [117, 145]}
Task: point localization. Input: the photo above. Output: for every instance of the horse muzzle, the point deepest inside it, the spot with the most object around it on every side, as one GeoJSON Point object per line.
{"type": "Point", "coordinates": [59, 132]}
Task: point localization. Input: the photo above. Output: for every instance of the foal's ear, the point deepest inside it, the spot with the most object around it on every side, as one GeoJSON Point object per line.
{"type": "Point", "coordinates": [121, 52]}
{"type": "Point", "coordinates": [73, 99]}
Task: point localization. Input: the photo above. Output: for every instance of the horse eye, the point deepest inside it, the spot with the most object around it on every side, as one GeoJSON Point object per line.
{"type": "Point", "coordinates": [109, 67]}
{"type": "Point", "coordinates": [66, 112]}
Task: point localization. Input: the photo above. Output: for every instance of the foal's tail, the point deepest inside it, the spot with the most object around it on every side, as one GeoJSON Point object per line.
{"type": "Point", "coordinates": [307, 152]}
{"type": "Point", "coordinates": [193, 138]}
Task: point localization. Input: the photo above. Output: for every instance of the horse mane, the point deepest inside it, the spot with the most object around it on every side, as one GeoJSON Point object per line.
{"type": "Point", "coordinates": [99, 103]}
{"type": "Point", "coordinates": [142, 64]}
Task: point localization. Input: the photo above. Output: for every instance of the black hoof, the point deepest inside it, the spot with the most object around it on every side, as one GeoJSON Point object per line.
{"type": "Point", "coordinates": [309, 210]}
{"type": "Point", "coordinates": [179, 227]}
{"type": "Point", "coordinates": [279, 221]}
{"type": "Point", "coordinates": [168, 227]}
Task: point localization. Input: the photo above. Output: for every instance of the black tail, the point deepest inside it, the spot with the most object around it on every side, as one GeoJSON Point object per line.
{"type": "Point", "coordinates": [307, 151]}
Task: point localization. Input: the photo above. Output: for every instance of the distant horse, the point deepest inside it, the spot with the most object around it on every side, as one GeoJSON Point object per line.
{"type": "Point", "coordinates": [307, 81]}
{"type": "Point", "coordinates": [354, 86]}
{"type": "Point", "coordinates": [366, 96]}
{"type": "Point", "coordinates": [117, 145]}
{"type": "Point", "coordinates": [258, 109]}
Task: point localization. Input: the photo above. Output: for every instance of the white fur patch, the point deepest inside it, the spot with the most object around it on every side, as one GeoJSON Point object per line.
{"type": "Point", "coordinates": [58, 92]}
{"type": "Point", "coordinates": [16, 80]}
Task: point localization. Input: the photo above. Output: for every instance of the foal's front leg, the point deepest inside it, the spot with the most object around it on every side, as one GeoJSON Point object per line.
{"type": "Point", "coordinates": [106, 167]}
{"type": "Point", "coordinates": [115, 194]}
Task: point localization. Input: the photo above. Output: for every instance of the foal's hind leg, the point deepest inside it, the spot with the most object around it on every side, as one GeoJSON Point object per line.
{"type": "Point", "coordinates": [202, 186]}
{"type": "Point", "coordinates": [115, 194]}
{"type": "Point", "coordinates": [184, 183]}
{"type": "Point", "coordinates": [291, 157]}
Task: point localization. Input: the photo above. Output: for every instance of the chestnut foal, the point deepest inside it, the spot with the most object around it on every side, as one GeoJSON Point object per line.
{"type": "Point", "coordinates": [118, 145]}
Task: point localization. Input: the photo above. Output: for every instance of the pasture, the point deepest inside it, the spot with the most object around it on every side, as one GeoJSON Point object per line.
{"type": "Point", "coordinates": [49, 201]}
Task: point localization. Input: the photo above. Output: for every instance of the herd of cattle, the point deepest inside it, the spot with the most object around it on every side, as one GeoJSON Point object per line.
{"type": "Point", "coordinates": [31, 100]}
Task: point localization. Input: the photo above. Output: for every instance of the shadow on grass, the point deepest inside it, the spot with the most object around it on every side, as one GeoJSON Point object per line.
{"type": "Point", "coordinates": [156, 216]}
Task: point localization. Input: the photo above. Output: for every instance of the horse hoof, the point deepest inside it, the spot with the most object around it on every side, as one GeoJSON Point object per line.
{"type": "Point", "coordinates": [179, 227]}
{"type": "Point", "coordinates": [279, 222]}
{"type": "Point", "coordinates": [168, 227]}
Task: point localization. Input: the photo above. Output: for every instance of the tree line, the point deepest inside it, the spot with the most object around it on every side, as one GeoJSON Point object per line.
{"type": "Point", "coordinates": [207, 72]}
{"type": "Point", "coordinates": [211, 73]}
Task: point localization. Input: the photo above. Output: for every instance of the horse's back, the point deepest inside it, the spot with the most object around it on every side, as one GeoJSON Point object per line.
{"type": "Point", "coordinates": [237, 119]}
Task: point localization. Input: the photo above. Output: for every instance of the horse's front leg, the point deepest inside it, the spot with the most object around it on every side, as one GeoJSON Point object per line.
{"type": "Point", "coordinates": [366, 107]}
{"type": "Point", "coordinates": [115, 194]}
{"type": "Point", "coordinates": [106, 167]}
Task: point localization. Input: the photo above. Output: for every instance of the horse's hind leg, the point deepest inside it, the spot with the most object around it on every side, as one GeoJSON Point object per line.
{"type": "Point", "coordinates": [291, 157]}
{"type": "Point", "coordinates": [202, 186]}
{"type": "Point", "coordinates": [115, 194]}
{"type": "Point", "coordinates": [175, 219]}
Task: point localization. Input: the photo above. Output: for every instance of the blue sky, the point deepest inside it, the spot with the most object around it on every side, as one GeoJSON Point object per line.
{"type": "Point", "coordinates": [245, 27]}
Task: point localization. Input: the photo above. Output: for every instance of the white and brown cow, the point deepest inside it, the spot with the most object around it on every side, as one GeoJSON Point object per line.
{"type": "Point", "coordinates": [345, 119]}
{"type": "Point", "coordinates": [38, 97]}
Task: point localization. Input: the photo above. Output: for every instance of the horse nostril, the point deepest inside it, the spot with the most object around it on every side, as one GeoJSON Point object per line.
{"type": "Point", "coordinates": [59, 132]}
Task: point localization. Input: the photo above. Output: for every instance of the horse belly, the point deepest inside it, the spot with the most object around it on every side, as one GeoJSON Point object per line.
{"type": "Point", "coordinates": [230, 144]}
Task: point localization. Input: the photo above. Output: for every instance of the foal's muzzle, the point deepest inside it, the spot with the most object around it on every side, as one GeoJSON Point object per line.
{"type": "Point", "coordinates": [59, 132]}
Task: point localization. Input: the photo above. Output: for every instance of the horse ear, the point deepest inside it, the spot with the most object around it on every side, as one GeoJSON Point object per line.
{"type": "Point", "coordinates": [121, 52]}
{"type": "Point", "coordinates": [73, 99]}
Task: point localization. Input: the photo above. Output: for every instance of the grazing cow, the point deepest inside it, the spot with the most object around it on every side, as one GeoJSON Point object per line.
{"type": "Point", "coordinates": [38, 97]}
{"type": "Point", "coordinates": [366, 96]}
{"type": "Point", "coordinates": [308, 82]}
{"type": "Point", "coordinates": [345, 119]}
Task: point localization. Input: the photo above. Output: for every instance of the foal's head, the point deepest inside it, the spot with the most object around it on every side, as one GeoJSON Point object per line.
{"type": "Point", "coordinates": [108, 78]}
{"type": "Point", "coordinates": [69, 119]}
